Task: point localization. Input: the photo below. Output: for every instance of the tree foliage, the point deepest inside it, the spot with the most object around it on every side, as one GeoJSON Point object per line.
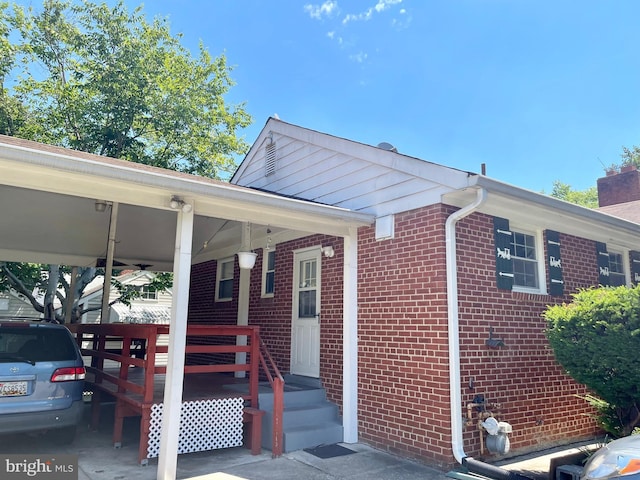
{"type": "Point", "coordinates": [105, 80]}
{"type": "Point", "coordinates": [596, 339]}
{"type": "Point", "coordinates": [587, 198]}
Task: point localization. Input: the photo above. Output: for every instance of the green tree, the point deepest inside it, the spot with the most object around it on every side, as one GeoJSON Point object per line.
{"type": "Point", "coordinates": [587, 198]}
{"type": "Point", "coordinates": [596, 339]}
{"type": "Point", "coordinates": [103, 80]}
{"type": "Point", "coordinates": [629, 156]}
{"type": "Point", "coordinates": [111, 83]}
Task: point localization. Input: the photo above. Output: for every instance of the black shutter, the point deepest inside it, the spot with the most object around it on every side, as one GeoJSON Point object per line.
{"type": "Point", "coordinates": [504, 264]}
{"type": "Point", "coordinates": [603, 264]}
{"type": "Point", "coordinates": [635, 267]}
{"type": "Point", "coordinates": [556, 284]}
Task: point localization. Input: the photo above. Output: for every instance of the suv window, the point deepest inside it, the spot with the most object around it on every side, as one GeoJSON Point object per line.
{"type": "Point", "coordinates": [54, 345]}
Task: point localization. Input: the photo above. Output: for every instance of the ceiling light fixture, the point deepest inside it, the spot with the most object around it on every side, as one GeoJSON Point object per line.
{"type": "Point", "coordinates": [178, 204]}
{"type": "Point", "coordinates": [100, 206]}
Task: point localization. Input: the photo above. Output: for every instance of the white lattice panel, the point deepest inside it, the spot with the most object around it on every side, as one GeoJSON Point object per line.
{"type": "Point", "coordinates": [204, 425]}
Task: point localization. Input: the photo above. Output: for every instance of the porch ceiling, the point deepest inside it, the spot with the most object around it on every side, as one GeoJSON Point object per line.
{"type": "Point", "coordinates": [48, 196]}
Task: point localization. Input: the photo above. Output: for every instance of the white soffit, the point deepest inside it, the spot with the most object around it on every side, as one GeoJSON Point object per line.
{"type": "Point", "coordinates": [335, 171]}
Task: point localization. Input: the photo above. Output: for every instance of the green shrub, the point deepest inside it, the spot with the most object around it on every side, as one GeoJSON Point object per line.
{"type": "Point", "coordinates": [596, 339]}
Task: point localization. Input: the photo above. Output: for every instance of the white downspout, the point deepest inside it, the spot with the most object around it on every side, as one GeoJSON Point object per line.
{"type": "Point", "coordinates": [452, 312]}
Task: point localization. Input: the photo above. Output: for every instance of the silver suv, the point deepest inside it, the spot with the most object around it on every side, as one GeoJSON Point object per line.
{"type": "Point", "coordinates": [41, 379]}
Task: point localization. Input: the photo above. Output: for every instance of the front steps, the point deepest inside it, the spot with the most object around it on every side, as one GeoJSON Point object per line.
{"type": "Point", "coordinates": [309, 419]}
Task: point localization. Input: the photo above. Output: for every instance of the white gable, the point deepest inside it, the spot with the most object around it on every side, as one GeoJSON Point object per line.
{"type": "Point", "coordinates": [335, 171]}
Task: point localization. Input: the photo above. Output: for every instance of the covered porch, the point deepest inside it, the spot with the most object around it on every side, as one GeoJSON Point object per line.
{"type": "Point", "coordinates": [72, 208]}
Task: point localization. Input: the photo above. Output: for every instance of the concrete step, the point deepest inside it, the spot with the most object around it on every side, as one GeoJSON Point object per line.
{"type": "Point", "coordinates": [309, 415]}
{"type": "Point", "coordinates": [304, 437]}
{"type": "Point", "coordinates": [293, 396]}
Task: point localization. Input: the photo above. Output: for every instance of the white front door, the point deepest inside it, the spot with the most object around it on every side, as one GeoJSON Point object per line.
{"type": "Point", "coordinates": [305, 328]}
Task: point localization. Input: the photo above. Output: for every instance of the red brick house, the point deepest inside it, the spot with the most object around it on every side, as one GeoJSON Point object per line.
{"type": "Point", "coordinates": [409, 290]}
{"type": "Point", "coordinates": [452, 279]}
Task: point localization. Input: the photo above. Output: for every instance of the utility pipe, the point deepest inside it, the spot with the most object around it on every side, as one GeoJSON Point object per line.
{"type": "Point", "coordinates": [453, 315]}
{"type": "Point", "coordinates": [473, 465]}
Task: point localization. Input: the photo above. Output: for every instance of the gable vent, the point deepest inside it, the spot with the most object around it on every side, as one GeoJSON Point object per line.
{"type": "Point", "coordinates": [270, 159]}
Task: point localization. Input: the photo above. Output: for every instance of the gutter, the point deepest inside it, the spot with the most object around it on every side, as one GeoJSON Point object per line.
{"type": "Point", "coordinates": [455, 394]}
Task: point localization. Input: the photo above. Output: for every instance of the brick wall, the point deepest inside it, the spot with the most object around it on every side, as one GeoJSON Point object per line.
{"type": "Point", "coordinates": [403, 354]}
{"type": "Point", "coordinates": [536, 398]}
{"type": "Point", "coordinates": [403, 344]}
{"type": "Point", "coordinates": [274, 314]}
{"type": "Point", "coordinates": [404, 376]}
{"type": "Point", "coordinates": [620, 187]}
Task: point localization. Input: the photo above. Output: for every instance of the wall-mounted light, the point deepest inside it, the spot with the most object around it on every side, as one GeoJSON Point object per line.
{"type": "Point", "coordinates": [178, 204]}
{"type": "Point", "coordinates": [100, 206]}
{"type": "Point", "coordinates": [328, 251]}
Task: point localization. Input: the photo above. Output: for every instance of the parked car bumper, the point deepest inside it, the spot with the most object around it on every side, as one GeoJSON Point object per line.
{"type": "Point", "coordinates": [46, 420]}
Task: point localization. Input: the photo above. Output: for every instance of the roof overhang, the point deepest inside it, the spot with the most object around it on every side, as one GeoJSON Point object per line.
{"type": "Point", "coordinates": [528, 207]}
{"type": "Point", "coordinates": [48, 196]}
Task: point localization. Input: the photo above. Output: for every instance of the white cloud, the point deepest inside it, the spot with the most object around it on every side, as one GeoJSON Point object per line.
{"type": "Point", "coordinates": [332, 35]}
{"type": "Point", "coordinates": [326, 9]}
{"type": "Point", "coordinates": [381, 6]}
{"type": "Point", "coordinates": [359, 57]}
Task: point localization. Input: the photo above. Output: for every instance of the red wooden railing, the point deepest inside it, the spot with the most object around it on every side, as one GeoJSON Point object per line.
{"type": "Point", "coordinates": [277, 385]}
{"type": "Point", "coordinates": [136, 398]}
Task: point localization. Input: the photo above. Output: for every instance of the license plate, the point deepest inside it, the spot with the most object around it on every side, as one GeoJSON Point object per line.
{"type": "Point", "coordinates": [13, 389]}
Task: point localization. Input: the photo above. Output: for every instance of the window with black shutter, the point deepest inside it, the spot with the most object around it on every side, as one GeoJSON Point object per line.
{"type": "Point", "coordinates": [603, 263]}
{"type": "Point", "coordinates": [556, 282]}
{"type": "Point", "coordinates": [504, 264]}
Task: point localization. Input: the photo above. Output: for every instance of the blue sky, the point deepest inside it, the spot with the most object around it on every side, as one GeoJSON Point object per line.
{"type": "Point", "coordinates": [538, 90]}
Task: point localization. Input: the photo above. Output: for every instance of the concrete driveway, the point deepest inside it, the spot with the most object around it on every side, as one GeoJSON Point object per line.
{"type": "Point", "coordinates": [98, 460]}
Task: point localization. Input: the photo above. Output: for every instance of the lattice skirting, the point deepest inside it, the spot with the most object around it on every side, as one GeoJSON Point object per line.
{"type": "Point", "coordinates": [204, 425]}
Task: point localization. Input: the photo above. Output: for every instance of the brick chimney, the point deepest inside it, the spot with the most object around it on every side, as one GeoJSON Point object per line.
{"type": "Point", "coordinates": [620, 187]}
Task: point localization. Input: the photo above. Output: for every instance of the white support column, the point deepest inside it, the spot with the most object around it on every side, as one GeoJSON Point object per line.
{"type": "Point", "coordinates": [168, 455]}
{"type": "Point", "coordinates": [350, 338]}
{"type": "Point", "coordinates": [105, 311]}
{"type": "Point", "coordinates": [243, 316]}
{"type": "Point", "coordinates": [243, 298]}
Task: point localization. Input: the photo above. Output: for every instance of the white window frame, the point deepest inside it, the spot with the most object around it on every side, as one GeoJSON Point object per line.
{"type": "Point", "coordinates": [626, 271]}
{"type": "Point", "coordinates": [540, 260]}
{"type": "Point", "coordinates": [145, 292]}
{"type": "Point", "coordinates": [265, 271]}
{"type": "Point", "coordinates": [219, 279]}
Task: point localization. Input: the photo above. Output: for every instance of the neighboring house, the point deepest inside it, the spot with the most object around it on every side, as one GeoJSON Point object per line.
{"type": "Point", "coordinates": [452, 280]}
{"type": "Point", "coordinates": [15, 305]}
{"type": "Point", "coordinates": [153, 306]}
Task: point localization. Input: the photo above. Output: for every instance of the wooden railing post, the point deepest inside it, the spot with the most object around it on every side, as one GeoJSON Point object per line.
{"type": "Point", "coordinates": [278, 408]}
{"type": "Point", "coordinates": [255, 365]}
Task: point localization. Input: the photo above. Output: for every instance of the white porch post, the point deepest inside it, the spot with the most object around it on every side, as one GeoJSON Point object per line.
{"type": "Point", "coordinates": [350, 338]}
{"type": "Point", "coordinates": [243, 316]}
{"type": "Point", "coordinates": [243, 298]}
{"type": "Point", "coordinates": [108, 268]}
{"type": "Point", "coordinates": [168, 455]}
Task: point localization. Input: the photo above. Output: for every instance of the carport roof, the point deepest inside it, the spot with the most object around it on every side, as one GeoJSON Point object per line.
{"type": "Point", "coordinates": [48, 196]}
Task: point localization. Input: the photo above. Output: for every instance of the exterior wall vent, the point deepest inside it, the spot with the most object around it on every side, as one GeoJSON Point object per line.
{"type": "Point", "coordinates": [270, 159]}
